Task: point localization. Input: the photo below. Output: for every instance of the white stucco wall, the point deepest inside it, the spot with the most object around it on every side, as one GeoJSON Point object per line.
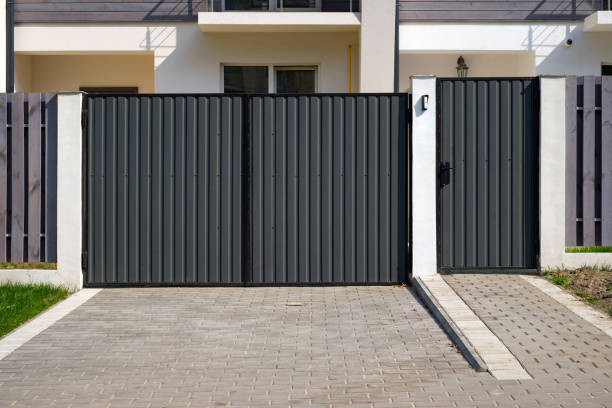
{"type": "Point", "coordinates": [424, 175]}
{"type": "Point", "coordinates": [23, 73]}
{"type": "Point", "coordinates": [544, 40]}
{"type": "Point", "coordinates": [50, 73]}
{"type": "Point", "coordinates": [188, 60]}
{"type": "Point", "coordinates": [506, 64]}
{"type": "Point", "coordinates": [377, 45]}
{"type": "Point", "coordinates": [69, 190]}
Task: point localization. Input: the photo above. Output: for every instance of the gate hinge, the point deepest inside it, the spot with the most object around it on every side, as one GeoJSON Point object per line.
{"type": "Point", "coordinates": [84, 261]}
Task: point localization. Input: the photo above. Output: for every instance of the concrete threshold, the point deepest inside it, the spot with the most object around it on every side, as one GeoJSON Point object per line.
{"type": "Point", "coordinates": [481, 348]}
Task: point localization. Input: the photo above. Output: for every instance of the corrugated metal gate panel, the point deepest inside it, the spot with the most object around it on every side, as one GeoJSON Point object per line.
{"type": "Point", "coordinates": [213, 189]}
{"type": "Point", "coordinates": [489, 137]}
{"type": "Point", "coordinates": [164, 203]}
{"type": "Point", "coordinates": [329, 189]}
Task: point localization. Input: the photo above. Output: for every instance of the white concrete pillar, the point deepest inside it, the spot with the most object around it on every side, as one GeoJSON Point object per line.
{"type": "Point", "coordinates": [552, 171]}
{"type": "Point", "coordinates": [69, 189]}
{"type": "Point", "coordinates": [2, 45]}
{"type": "Point", "coordinates": [424, 176]}
{"type": "Point", "coordinates": [377, 46]}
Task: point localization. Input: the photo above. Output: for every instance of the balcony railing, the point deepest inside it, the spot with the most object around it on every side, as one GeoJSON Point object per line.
{"type": "Point", "coordinates": [282, 5]}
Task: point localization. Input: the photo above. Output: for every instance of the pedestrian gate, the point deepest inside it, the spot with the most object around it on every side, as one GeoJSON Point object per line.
{"type": "Point", "coordinates": [245, 189]}
{"type": "Point", "coordinates": [488, 173]}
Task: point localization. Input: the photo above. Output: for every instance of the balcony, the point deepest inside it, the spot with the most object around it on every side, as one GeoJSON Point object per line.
{"type": "Point", "coordinates": [600, 21]}
{"type": "Point", "coordinates": [233, 16]}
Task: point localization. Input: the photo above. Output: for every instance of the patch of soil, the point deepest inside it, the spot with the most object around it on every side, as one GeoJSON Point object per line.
{"type": "Point", "coordinates": [592, 285]}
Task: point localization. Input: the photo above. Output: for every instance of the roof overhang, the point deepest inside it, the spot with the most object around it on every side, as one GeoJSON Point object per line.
{"type": "Point", "coordinates": [598, 22]}
{"type": "Point", "coordinates": [267, 21]}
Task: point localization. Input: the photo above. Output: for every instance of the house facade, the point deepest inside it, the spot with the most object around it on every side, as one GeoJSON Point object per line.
{"type": "Point", "coordinates": [337, 46]}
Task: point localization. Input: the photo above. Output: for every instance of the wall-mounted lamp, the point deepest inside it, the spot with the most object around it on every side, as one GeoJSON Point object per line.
{"type": "Point", "coordinates": [424, 102]}
{"type": "Point", "coordinates": [462, 68]}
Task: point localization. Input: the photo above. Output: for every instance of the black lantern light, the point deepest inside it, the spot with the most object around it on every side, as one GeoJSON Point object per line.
{"type": "Point", "coordinates": [462, 68]}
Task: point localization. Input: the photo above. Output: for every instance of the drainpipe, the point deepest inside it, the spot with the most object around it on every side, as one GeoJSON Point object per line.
{"type": "Point", "coordinates": [10, 46]}
{"type": "Point", "coordinates": [396, 62]}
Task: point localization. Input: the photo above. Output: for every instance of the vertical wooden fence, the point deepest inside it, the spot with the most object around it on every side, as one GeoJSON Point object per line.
{"type": "Point", "coordinates": [588, 207]}
{"type": "Point", "coordinates": [28, 155]}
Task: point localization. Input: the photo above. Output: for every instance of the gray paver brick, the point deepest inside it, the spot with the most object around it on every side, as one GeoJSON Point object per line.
{"type": "Point", "coordinates": [244, 347]}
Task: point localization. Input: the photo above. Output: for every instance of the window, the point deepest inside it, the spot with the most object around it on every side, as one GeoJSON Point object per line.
{"type": "Point", "coordinates": [250, 79]}
{"type": "Point", "coordinates": [606, 70]}
{"type": "Point", "coordinates": [257, 79]}
{"type": "Point", "coordinates": [295, 80]}
{"type": "Point", "coordinates": [272, 5]}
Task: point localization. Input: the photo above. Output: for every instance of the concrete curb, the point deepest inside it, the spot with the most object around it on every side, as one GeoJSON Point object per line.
{"type": "Point", "coordinates": [34, 276]}
{"type": "Point", "coordinates": [26, 332]}
{"type": "Point", "coordinates": [467, 349]}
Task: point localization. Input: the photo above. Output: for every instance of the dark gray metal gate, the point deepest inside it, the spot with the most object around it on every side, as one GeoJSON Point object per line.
{"type": "Point", "coordinates": [220, 189]}
{"type": "Point", "coordinates": [488, 173]}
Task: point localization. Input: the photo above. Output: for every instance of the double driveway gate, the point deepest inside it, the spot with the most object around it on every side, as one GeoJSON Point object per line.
{"type": "Point", "coordinates": [222, 189]}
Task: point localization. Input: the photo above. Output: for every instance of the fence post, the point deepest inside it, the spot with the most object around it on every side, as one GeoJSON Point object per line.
{"type": "Point", "coordinates": [552, 171]}
{"type": "Point", "coordinates": [69, 189]}
{"type": "Point", "coordinates": [424, 179]}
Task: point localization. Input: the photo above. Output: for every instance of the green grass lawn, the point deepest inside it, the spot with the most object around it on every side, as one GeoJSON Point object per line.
{"type": "Point", "coordinates": [19, 303]}
{"type": "Point", "coordinates": [591, 249]}
{"type": "Point", "coordinates": [27, 265]}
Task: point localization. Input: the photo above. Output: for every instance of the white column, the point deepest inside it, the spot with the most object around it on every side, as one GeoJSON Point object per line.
{"type": "Point", "coordinates": [552, 171]}
{"type": "Point", "coordinates": [424, 174]}
{"type": "Point", "coordinates": [2, 45]}
{"type": "Point", "coordinates": [69, 189]}
{"type": "Point", "coordinates": [377, 55]}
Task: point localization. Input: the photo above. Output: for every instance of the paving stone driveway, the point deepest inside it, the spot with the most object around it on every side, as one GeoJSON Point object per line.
{"type": "Point", "coordinates": [355, 346]}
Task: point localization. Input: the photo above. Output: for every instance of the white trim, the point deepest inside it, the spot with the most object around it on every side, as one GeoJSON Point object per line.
{"type": "Point", "coordinates": [26, 332]}
{"type": "Point", "coordinates": [596, 318]}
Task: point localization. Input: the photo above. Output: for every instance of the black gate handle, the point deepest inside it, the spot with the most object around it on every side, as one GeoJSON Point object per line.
{"type": "Point", "coordinates": [444, 173]}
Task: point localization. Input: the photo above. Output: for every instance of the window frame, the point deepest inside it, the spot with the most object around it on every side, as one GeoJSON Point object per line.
{"type": "Point", "coordinates": [297, 68]}
{"type": "Point", "coordinates": [272, 69]}
{"type": "Point", "coordinates": [272, 6]}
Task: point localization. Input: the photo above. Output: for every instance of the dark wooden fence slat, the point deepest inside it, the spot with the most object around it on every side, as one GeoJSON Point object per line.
{"type": "Point", "coordinates": [50, 161]}
{"type": "Point", "coordinates": [34, 176]}
{"type": "Point", "coordinates": [571, 144]}
{"type": "Point", "coordinates": [3, 178]}
{"type": "Point", "coordinates": [588, 162]}
{"type": "Point", "coordinates": [18, 179]}
{"type": "Point", "coordinates": [606, 160]}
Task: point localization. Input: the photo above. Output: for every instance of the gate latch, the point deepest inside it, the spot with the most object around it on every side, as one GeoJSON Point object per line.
{"type": "Point", "coordinates": [444, 174]}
